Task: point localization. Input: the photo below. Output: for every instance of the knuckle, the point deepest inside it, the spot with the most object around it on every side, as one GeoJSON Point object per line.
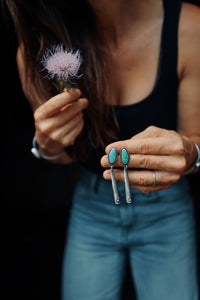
{"type": "Point", "coordinates": [142, 181]}
{"type": "Point", "coordinates": [52, 105]}
{"type": "Point", "coordinates": [156, 131]}
{"type": "Point", "coordinates": [69, 139]}
{"type": "Point", "coordinates": [38, 115]}
{"type": "Point", "coordinates": [144, 148]}
{"type": "Point", "coordinates": [172, 132]}
{"type": "Point", "coordinates": [45, 128]}
{"type": "Point", "coordinates": [56, 137]}
{"type": "Point", "coordinates": [143, 162]}
{"type": "Point", "coordinates": [151, 128]}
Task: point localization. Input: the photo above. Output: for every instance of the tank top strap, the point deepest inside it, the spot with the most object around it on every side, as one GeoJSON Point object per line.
{"type": "Point", "coordinates": [169, 50]}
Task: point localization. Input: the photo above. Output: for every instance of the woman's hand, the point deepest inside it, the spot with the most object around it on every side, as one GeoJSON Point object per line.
{"type": "Point", "coordinates": [164, 152]}
{"type": "Point", "coordinates": [59, 121]}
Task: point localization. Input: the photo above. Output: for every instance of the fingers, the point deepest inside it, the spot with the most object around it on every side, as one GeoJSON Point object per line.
{"type": "Point", "coordinates": [155, 162]}
{"type": "Point", "coordinates": [143, 180]}
{"type": "Point", "coordinates": [155, 149]}
{"type": "Point", "coordinates": [151, 145]}
{"type": "Point", "coordinates": [49, 130]}
{"type": "Point", "coordinates": [60, 120]}
{"type": "Point", "coordinates": [152, 140]}
{"type": "Point", "coordinates": [69, 112]}
{"type": "Point", "coordinates": [56, 103]}
{"type": "Point", "coordinates": [61, 137]}
{"type": "Point", "coordinates": [47, 125]}
{"type": "Point", "coordinates": [148, 189]}
{"type": "Point", "coordinates": [67, 134]}
{"type": "Point", "coordinates": [70, 137]}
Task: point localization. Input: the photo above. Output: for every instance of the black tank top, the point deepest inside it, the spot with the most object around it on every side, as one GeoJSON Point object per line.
{"type": "Point", "coordinates": [159, 108]}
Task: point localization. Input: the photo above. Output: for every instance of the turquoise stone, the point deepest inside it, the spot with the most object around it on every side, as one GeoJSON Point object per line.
{"type": "Point", "coordinates": [124, 156]}
{"type": "Point", "coordinates": [112, 155]}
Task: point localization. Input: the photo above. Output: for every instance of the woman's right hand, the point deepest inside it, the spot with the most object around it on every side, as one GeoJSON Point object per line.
{"type": "Point", "coordinates": [59, 121]}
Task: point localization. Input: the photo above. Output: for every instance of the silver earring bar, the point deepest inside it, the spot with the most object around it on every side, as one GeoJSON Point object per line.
{"type": "Point", "coordinates": [125, 157]}
{"type": "Point", "coordinates": [112, 157]}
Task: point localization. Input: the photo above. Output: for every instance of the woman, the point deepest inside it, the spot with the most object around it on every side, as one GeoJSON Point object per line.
{"type": "Point", "coordinates": [140, 91]}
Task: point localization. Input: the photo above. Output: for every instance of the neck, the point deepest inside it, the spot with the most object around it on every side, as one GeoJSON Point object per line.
{"type": "Point", "coordinates": [114, 17]}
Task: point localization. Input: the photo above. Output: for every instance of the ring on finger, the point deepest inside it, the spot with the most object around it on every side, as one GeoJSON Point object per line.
{"type": "Point", "coordinates": [154, 178]}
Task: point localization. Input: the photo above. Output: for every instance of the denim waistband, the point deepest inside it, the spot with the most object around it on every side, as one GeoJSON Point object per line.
{"type": "Point", "coordinates": [96, 183]}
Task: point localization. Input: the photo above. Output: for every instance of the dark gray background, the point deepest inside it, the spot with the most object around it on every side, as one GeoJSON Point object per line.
{"type": "Point", "coordinates": [35, 196]}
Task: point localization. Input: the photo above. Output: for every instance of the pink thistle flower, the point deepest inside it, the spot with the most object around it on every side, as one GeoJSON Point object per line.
{"type": "Point", "coordinates": [62, 64]}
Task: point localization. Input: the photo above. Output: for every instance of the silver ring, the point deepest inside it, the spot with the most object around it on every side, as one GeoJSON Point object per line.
{"type": "Point", "coordinates": [154, 178]}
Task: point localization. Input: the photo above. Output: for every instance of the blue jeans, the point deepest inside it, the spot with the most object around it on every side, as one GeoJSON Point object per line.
{"type": "Point", "coordinates": [156, 232]}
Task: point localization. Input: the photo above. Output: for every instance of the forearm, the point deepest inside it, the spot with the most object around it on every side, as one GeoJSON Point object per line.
{"type": "Point", "coordinates": [195, 139]}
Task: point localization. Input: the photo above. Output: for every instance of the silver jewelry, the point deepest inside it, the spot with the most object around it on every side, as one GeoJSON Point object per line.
{"type": "Point", "coordinates": [125, 157]}
{"type": "Point", "coordinates": [112, 157]}
{"type": "Point", "coordinates": [36, 152]}
{"type": "Point", "coordinates": [154, 178]}
{"type": "Point", "coordinates": [196, 167]}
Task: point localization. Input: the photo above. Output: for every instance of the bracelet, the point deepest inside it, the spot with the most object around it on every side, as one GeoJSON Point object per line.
{"type": "Point", "coordinates": [35, 151]}
{"type": "Point", "coordinates": [196, 166]}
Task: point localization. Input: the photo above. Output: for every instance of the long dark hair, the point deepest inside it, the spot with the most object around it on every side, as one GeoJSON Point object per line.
{"type": "Point", "coordinates": [40, 24]}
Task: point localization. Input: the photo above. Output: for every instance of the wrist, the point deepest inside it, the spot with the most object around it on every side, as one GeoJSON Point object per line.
{"type": "Point", "coordinates": [51, 152]}
{"type": "Point", "coordinates": [40, 153]}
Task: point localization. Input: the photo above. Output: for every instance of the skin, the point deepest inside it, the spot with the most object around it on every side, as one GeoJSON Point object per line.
{"type": "Point", "coordinates": [59, 121]}
{"type": "Point", "coordinates": [131, 38]}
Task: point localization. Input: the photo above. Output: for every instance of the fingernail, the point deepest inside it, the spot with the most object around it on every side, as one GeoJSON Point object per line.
{"type": "Point", "coordinates": [104, 160]}
{"type": "Point", "coordinates": [77, 91]}
{"type": "Point", "coordinates": [107, 175]}
{"type": "Point", "coordinates": [74, 91]}
{"type": "Point", "coordinates": [107, 149]}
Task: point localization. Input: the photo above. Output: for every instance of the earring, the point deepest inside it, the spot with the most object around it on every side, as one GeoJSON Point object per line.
{"type": "Point", "coordinates": [125, 157]}
{"type": "Point", "coordinates": [112, 157]}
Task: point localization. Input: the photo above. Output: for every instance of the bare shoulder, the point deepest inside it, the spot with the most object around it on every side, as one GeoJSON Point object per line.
{"type": "Point", "coordinates": [189, 37]}
{"type": "Point", "coordinates": [189, 70]}
{"type": "Point", "coordinates": [190, 17]}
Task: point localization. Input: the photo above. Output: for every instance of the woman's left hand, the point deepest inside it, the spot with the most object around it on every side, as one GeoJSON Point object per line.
{"type": "Point", "coordinates": [165, 152]}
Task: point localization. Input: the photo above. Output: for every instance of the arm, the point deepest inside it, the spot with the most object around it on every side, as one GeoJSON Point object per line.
{"type": "Point", "coordinates": [58, 121]}
{"type": "Point", "coordinates": [189, 87]}
{"type": "Point", "coordinates": [168, 153]}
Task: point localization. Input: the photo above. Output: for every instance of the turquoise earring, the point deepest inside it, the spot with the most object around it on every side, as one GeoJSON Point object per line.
{"type": "Point", "coordinates": [125, 157]}
{"type": "Point", "coordinates": [112, 157]}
